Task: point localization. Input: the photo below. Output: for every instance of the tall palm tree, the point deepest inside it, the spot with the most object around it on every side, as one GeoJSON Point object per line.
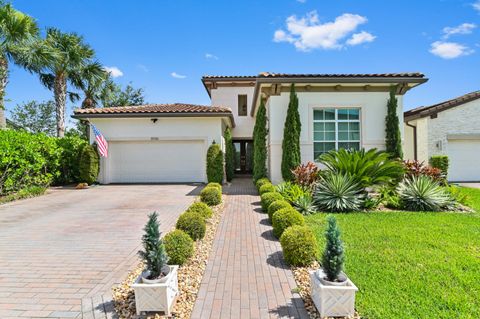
{"type": "Point", "coordinates": [91, 80]}
{"type": "Point", "coordinates": [15, 29]}
{"type": "Point", "coordinates": [73, 55]}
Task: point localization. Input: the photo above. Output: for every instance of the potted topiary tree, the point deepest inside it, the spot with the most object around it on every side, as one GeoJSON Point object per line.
{"type": "Point", "coordinates": [332, 292]}
{"type": "Point", "coordinates": [157, 287]}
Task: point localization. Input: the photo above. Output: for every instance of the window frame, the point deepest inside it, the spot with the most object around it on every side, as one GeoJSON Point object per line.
{"type": "Point", "coordinates": [336, 121]}
{"type": "Point", "coordinates": [238, 104]}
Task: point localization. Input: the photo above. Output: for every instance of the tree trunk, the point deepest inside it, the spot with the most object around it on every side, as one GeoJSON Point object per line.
{"type": "Point", "coordinates": [3, 84]}
{"type": "Point", "coordinates": [60, 93]}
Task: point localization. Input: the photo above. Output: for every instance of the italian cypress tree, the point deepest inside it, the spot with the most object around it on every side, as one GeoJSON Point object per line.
{"type": "Point", "coordinates": [260, 143]}
{"type": "Point", "coordinates": [291, 137]}
{"type": "Point", "coordinates": [392, 127]}
{"type": "Point", "coordinates": [229, 155]}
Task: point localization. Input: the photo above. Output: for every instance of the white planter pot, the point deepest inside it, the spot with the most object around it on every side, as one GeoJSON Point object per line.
{"type": "Point", "coordinates": [158, 296]}
{"type": "Point", "coordinates": [332, 300]}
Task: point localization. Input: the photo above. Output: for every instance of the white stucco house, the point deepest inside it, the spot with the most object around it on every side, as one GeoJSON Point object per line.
{"type": "Point", "coordinates": [448, 128]}
{"type": "Point", "coordinates": [168, 142]}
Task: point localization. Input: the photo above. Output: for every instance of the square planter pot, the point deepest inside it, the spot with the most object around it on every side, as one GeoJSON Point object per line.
{"type": "Point", "coordinates": [332, 301]}
{"type": "Point", "coordinates": [158, 296]}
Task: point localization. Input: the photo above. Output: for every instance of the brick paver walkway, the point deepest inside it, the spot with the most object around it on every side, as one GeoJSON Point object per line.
{"type": "Point", "coordinates": [61, 253]}
{"type": "Point", "coordinates": [246, 276]}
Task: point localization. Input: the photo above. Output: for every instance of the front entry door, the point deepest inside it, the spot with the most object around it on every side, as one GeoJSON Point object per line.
{"type": "Point", "coordinates": [243, 157]}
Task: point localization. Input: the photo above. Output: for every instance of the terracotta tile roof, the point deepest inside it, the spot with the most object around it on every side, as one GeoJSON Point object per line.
{"type": "Point", "coordinates": [423, 111]}
{"type": "Point", "coordinates": [316, 75]}
{"type": "Point", "coordinates": [176, 109]}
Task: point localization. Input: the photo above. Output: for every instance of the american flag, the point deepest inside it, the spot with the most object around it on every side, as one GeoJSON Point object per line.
{"type": "Point", "coordinates": [101, 142]}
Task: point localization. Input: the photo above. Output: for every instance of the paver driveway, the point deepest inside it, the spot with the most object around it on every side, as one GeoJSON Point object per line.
{"type": "Point", "coordinates": [62, 252]}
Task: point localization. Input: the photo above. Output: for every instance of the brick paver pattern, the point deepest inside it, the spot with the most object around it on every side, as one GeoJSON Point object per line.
{"type": "Point", "coordinates": [61, 253]}
{"type": "Point", "coordinates": [246, 276]}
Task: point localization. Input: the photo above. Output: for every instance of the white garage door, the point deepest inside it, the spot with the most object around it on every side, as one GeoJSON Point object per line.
{"type": "Point", "coordinates": [464, 158]}
{"type": "Point", "coordinates": [156, 162]}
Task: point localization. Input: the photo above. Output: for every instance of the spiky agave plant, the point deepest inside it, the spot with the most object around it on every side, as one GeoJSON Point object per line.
{"type": "Point", "coordinates": [153, 253]}
{"type": "Point", "coordinates": [304, 204]}
{"type": "Point", "coordinates": [338, 193]}
{"type": "Point", "coordinates": [422, 193]}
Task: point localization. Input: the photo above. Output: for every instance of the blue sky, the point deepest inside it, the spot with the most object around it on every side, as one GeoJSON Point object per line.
{"type": "Point", "coordinates": [166, 46]}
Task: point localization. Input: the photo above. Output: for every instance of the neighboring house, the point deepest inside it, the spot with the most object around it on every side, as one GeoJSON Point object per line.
{"type": "Point", "coordinates": [448, 128]}
{"type": "Point", "coordinates": [168, 143]}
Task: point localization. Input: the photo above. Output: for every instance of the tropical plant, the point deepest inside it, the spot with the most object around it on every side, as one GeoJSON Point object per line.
{"type": "Point", "coordinates": [389, 197]}
{"type": "Point", "coordinates": [305, 205]}
{"type": "Point", "coordinates": [72, 56]}
{"type": "Point", "coordinates": [88, 164]}
{"type": "Point", "coordinates": [211, 196]}
{"type": "Point", "coordinates": [338, 193]}
{"type": "Point", "coordinates": [291, 191]}
{"type": "Point", "coordinates": [291, 138]}
{"type": "Point", "coordinates": [90, 79]}
{"type": "Point", "coordinates": [260, 143]}
{"type": "Point", "coordinates": [422, 193]}
{"type": "Point", "coordinates": [276, 206]}
{"type": "Point", "coordinates": [179, 247]}
{"type": "Point", "coordinates": [284, 218]}
{"type": "Point", "coordinates": [299, 245]}
{"type": "Point", "coordinates": [153, 253]}
{"type": "Point", "coordinates": [193, 224]}
{"type": "Point", "coordinates": [367, 168]}
{"type": "Point", "coordinates": [16, 30]}
{"type": "Point", "coordinates": [229, 155]}
{"type": "Point", "coordinates": [393, 138]}
{"type": "Point", "coordinates": [333, 256]}
{"type": "Point", "coordinates": [441, 162]}
{"type": "Point", "coordinates": [416, 168]}
{"type": "Point", "coordinates": [215, 164]}
{"type": "Point", "coordinates": [36, 117]}
{"type": "Point", "coordinates": [306, 175]}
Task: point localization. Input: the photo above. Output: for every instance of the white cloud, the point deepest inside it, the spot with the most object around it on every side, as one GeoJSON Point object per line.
{"type": "Point", "coordinates": [211, 56]}
{"type": "Point", "coordinates": [114, 71]}
{"type": "Point", "coordinates": [361, 37]}
{"type": "Point", "coordinates": [307, 33]}
{"type": "Point", "coordinates": [464, 28]}
{"type": "Point", "coordinates": [178, 76]}
{"type": "Point", "coordinates": [476, 5]}
{"type": "Point", "coordinates": [449, 50]}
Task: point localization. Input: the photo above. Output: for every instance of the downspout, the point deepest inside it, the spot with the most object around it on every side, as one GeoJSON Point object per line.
{"type": "Point", "coordinates": [414, 140]}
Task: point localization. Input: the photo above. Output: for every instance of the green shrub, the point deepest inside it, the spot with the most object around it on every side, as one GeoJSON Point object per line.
{"type": "Point", "coordinates": [424, 194]}
{"type": "Point", "coordinates": [216, 185]}
{"type": "Point", "coordinates": [153, 253]}
{"type": "Point", "coordinates": [304, 204]}
{"type": "Point", "coordinates": [291, 137]}
{"type": "Point", "coordinates": [229, 155]}
{"type": "Point", "coordinates": [368, 168]}
{"type": "Point", "coordinates": [277, 205]}
{"type": "Point", "coordinates": [70, 147]}
{"type": "Point", "coordinates": [299, 246]}
{"type": "Point", "coordinates": [211, 196]}
{"type": "Point", "coordinates": [266, 188]}
{"type": "Point", "coordinates": [215, 164]}
{"type": "Point", "coordinates": [441, 162]}
{"type": "Point", "coordinates": [338, 193]}
{"type": "Point", "coordinates": [291, 192]}
{"type": "Point", "coordinates": [284, 218]}
{"type": "Point", "coordinates": [179, 247]}
{"type": "Point", "coordinates": [389, 197]}
{"type": "Point", "coordinates": [88, 164]}
{"type": "Point", "coordinates": [268, 198]}
{"type": "Point", "coordinates": [262, 181]}
{"type": "Point", "coordinates": [333, 256]}
{"type": "Point", "coordinates": [457, 194]}
{"type": "Point", "coordinates": [260, 143]}
{"type": "Point", "coordinates": [193, 224]}
{"type": "Point", "coordinates": [201, 208]}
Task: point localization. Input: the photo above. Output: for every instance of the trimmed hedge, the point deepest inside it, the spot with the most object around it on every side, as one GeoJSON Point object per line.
{"type": "Point", "coordinates": [89, 165]}
{"type": "Point", "coordinates": [211, 196]}
{"type": "Point", "coordinates": [193, 224]}
{"type": "Point", "coordinates": [299, 245]}
{"type": "Point", "coordinates": [201, 208]}
{"type": "Point", "coordinates": [179, 247]}
{"type": "Point", "coordinates": [268, 198]}
{"type": "Point", "coordinates": [284, 218]}
{"type": "Point", "coordinates": [277, 205]}
{"type": "Point", "coordinates": [266, 188]}
{"type": "Point", "coordinates": [69, 168]}
{"type": "Point", "coordinates": [215, 164]}
{"type": "Point", "coordinates": [216, 185]}
{"type": "Point", "coordinates": [261, 182]}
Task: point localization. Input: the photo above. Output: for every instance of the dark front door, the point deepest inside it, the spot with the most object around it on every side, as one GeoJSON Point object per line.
{"type": "Point", "coordinates": [243, 156]}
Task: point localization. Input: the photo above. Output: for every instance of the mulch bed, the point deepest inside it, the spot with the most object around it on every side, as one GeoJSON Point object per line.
{"type": "Point", "coordinates": [189, 276]}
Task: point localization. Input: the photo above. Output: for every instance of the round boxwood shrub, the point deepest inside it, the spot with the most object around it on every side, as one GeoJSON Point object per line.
{"type": "Point", "coordinates": [299, 245]}
{"type": "Point", "coordinates": [261, 182]}
{"type": "Point", "coordinates": [179, 247]}
{"type": "Point", "coordinates": [211, 196]}
{"type": "Point", "coordinates": [268, 198]}
{"type": "Point", "coordinates": [217, 185]}
{"type": "Point", "coordinates": [277, 205]}
{"type": "Point", "coordinates": [88, 164]}
{"type": "Point", "coordinates": [193, 224]}
{"type": "Point", "coordinates": [266, 188]}
{"type": "Point", "coordinates": [201, 208]}
{"type": "Point", "coordinates": [284, 218]}
{"type": "Point", "coordinates": [215, 163]}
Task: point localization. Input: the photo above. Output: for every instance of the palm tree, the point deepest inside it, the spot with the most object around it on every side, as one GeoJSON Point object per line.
{"type": "Point", "coordinates": [73, 55]}
{"type": "Point", "coordinates": [91, 80]}
{"type": "Point", "coordinates": [16, 28]}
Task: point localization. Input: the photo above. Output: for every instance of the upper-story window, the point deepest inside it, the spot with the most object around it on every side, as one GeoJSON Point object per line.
{"type": "Point", "coordinates": [242, 105]}
{"type": "Point", "coordinates": [334, 129]}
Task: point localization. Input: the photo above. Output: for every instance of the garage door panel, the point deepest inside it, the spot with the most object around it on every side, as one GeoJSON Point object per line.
{"type": "Point", "coordinates": [464, 156]}
{"type": "Point", "coordinates": [156, 161]}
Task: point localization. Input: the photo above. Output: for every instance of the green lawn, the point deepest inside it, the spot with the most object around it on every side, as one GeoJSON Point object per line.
{"type": "Point", "coordinates": [412, 265]}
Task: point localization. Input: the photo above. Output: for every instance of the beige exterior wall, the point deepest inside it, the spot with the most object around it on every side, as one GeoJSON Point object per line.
{"type": "Point", "coordinates": [408, 143]}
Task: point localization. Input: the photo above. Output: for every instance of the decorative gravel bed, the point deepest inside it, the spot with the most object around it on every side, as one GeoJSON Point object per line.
{"type": "Point", "coordinates": [189, 276]}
